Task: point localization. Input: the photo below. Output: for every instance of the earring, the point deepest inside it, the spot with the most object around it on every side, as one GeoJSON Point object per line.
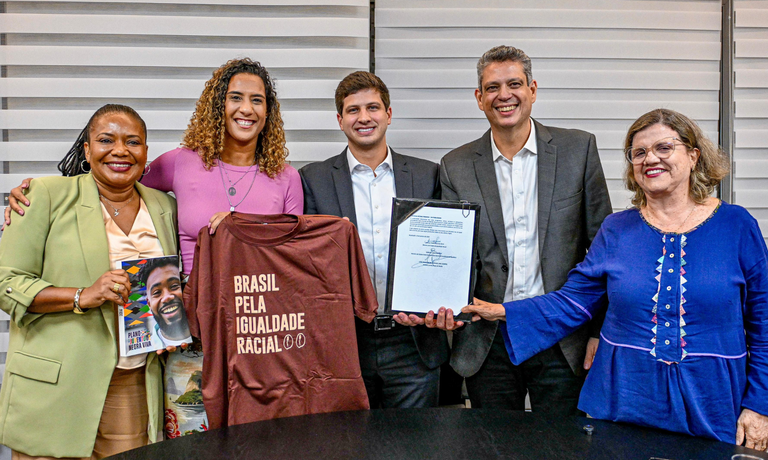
{"type": "Point", "coordinates": [82, 166]}
{"type": "Point", "coordinates": [146, 170]}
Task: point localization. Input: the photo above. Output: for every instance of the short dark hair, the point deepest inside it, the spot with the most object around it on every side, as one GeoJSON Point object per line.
{"type": "Point", "coordinates": [504, 53]}
{"type": "Point", "coordinates": [359, 81]}
{"type": "Point", "coordinates": [154, 264]}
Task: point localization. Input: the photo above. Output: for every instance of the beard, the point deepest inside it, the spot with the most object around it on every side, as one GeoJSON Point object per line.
{"type": "Point", "coordinates": [176, 327]}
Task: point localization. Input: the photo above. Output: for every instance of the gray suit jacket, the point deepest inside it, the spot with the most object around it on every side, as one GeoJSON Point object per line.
{"type": "Point", "coordinates": [573, 201]}
{"type": "Point", "coordinates": [328, 190]}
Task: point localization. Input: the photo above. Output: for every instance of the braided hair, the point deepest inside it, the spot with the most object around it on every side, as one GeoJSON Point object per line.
{"type": "Point", "coordinates": [73, 162]}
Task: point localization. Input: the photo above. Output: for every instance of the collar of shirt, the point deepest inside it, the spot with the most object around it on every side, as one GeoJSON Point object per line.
{"type": "Point", "coordinates": [355, 165]}
{"type": "Point", "coordinates": [530, 145]}
{"type": "Point", "coordinates": [373, 192]}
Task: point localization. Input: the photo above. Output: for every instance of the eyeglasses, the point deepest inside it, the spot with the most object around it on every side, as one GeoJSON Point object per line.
{"type": "Point", "coordinates": [663, 148]}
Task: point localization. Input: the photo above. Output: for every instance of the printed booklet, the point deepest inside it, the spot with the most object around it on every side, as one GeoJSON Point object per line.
{"type": "Point", "coordinates": [154, 316]}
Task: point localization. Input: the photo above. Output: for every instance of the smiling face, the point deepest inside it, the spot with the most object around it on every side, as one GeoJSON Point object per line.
{"type": "Point", "coordinates": [164, 299]}
{"type": "Point", "coordinates": [505, 96]}
{"type": "Point", "coordinates": [364, 120]}
{"type": "Point", "coordinates": [245, 111]}
{"type": "Point", "coordinates": [116, 150]}
{"type": "Point", "coordinates": [661, 177]}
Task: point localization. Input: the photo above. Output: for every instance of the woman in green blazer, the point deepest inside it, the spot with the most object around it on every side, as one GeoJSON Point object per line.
{"type": "Point", "coordinates": [57, 285]}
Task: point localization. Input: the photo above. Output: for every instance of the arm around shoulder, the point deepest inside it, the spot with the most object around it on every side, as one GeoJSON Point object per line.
{"type": "Point", "coordinates": [160, 173]}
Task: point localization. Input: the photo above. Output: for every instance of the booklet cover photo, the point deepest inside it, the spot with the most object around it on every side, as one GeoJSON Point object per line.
{"type": "Point", "coordinates": [154, 316]}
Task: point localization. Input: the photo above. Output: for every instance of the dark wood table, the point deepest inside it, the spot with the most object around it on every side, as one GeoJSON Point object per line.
{"type": "Point", "coordinates": [440, 434]}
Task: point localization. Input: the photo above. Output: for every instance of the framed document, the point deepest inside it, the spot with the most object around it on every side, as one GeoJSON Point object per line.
{"type": "Point", "coordinates": [431, 255]}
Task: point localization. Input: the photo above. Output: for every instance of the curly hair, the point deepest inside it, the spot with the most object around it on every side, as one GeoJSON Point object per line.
{"type": "Point", "coordinates": [206, 131]}
{"type": "Point", "coordinates": [712, 166]}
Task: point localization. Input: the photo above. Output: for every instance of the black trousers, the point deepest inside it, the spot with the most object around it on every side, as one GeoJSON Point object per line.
{"type": "Point", "coordinates": [553, 386]}
{"type": "Point", "coordinates": [395, 375]}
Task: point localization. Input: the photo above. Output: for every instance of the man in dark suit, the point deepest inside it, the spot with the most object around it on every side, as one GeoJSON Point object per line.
{"type": "Point", "coordinates": [543, 197]}
{"type": "Point", "coordinates": [400, 366]}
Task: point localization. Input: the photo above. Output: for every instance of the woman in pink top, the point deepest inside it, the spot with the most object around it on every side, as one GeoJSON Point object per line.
{"type": "Point", "coordinates": [232, 159]}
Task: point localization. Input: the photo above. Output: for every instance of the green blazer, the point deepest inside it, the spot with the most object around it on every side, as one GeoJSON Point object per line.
{"type": "Point", "coordinates": [59, 365]}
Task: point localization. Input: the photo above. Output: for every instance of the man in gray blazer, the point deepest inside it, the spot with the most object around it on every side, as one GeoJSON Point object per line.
{"type": "Point", "coordinates": [543, 197]}
{"type": "Point", "coordinates": [400, 366]}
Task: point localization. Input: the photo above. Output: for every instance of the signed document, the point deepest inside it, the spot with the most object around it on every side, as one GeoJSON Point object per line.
{"type": "Point", "coordinates": [432, 245]}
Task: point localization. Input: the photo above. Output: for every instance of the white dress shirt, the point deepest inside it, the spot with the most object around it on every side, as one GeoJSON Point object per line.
{"type": "Point", "coordinates": [373, 192]}
{"type": "Point", "coordinates": [518, 189]}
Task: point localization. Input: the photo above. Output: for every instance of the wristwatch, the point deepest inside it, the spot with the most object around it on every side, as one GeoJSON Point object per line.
{"type": "Point", "coordinates": [77, 308]}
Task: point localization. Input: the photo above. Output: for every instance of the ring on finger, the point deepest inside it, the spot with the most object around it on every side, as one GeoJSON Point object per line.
{"type": "Point", "coordinates": [116, 288]}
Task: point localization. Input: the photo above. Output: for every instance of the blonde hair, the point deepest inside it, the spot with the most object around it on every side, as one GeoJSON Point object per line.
{"type": "Point", "coordinates": [712, 166]}
{"type": "Point", "coordinates": [206, 130]}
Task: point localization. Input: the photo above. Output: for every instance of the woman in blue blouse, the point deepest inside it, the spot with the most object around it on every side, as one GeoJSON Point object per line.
{"type": "Point", "coordinates": [685, 339]}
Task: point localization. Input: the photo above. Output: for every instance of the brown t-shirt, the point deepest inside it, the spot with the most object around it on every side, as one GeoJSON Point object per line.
{"type": "Point", "coordinates": [273, 299]}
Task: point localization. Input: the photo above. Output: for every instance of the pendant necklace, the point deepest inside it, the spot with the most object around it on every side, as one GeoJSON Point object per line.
{"type": "Point", "coordinates": [117, 210]}
{"type": "Point", "coordinates": [231, 191]}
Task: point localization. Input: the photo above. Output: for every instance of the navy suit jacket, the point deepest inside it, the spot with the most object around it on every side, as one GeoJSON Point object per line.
{"type": "Point", "coordinates": [328, 190]}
